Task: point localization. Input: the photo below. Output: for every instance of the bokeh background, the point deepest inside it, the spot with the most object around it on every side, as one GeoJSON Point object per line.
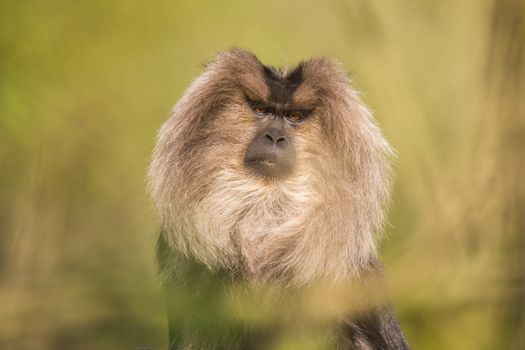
{"type": "Point", "coordinates": [85, 85]}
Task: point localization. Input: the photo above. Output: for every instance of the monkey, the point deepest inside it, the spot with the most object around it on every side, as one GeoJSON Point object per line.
{"type": "Point", "coordinates": [265, 176]}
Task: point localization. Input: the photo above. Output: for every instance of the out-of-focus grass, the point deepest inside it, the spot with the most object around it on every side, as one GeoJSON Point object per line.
{"type": "Point", "coordinates": [85, 85]}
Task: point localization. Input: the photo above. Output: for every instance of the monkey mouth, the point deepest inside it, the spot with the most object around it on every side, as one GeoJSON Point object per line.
{"type": "Point", "coordinates": [261, 163]}
{"type": "Point", "coordinates": [267, 163]}
{"type": "Point", "coordinates": [268, 167]}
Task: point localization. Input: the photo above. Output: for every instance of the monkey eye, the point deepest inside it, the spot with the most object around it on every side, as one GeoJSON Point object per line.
{"type": "Point", "coordinates": [259, 110]}
{"type": "Point", "coordinates": [295, 117]}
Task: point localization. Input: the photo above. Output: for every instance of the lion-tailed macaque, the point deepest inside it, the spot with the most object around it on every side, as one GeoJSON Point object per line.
{"type": "Point", "coordinates": [271, 187]}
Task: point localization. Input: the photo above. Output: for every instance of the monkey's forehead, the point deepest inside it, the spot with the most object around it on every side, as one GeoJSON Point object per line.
{"type": "Point", "coordinates": [304, 85]}
{"type": "Point", "coordinates": [281, 87]}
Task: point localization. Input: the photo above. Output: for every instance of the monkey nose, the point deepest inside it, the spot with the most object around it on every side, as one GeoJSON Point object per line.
{"type": "Point", "coordinates": [275, 136]}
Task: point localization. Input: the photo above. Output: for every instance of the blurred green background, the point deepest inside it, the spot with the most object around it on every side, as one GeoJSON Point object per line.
{"type": "Point", "coordinates": [84, 86]}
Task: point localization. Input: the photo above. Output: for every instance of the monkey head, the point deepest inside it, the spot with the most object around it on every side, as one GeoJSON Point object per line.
{"type": "Point", "coordinates": [281, 174]}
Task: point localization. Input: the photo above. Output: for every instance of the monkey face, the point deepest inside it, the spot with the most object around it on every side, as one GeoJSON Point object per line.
{"type": "Point", "coordinates": [275, 120]}
{"type": "Point", "coordinates": [271, 152]}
